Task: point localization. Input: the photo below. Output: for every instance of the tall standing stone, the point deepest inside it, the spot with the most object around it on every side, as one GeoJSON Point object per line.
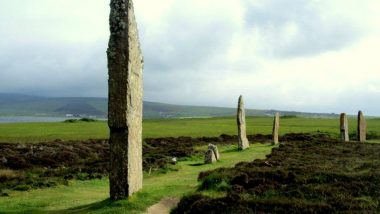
{"type": "Point", "coordinates": [344, 128]}
{"type": "Point", "coordinates": [242, 134]}
{"type": "Point", "coordinates": [276, 128]}
{"type": "Point", "coordinates": [362, 128]}
{"type": "Point", "coordinates": [125, 68]}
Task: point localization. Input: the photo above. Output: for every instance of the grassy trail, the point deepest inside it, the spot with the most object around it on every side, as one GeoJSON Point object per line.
{"type": "Point", "coordinates": [91, 196]}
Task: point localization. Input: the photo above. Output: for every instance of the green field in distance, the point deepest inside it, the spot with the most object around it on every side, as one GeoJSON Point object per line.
{"type": "Point", "coordinates": [152, 128]}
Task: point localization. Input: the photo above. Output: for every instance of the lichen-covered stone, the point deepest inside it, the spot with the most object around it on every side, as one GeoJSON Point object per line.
{"type": "Point", "coordinates": [210, 156]}
{"type": "Point", "coordinates": [344, 128]}
{"type": "Point", "coordinates": [242, 135]}
{"type": "Point", "coordinates": [276, 128]}
{"type": "Point", "coordinates": [362, 128]}
{"type": "Point", "coordinates": [214, 148]}
{"type": "Point", "coordinates": [125, 68]}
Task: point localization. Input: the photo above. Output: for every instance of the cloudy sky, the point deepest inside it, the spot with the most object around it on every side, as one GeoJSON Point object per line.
{"type": "Point", "coordinates": [303, 55]}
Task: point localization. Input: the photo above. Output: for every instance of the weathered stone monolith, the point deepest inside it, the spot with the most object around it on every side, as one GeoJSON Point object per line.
{"type": "Point", "coordinates": [276, 128]}
{"type": "Point", "coordinates": [210, 156]}
{"type": "Point", "coordinates": [125, 68]}
{"type": "Point", "coordinates": [242, 135]}
{"type": "Point", "coordinates": [214, 148]}
{"type": "Point", "coordinates": [362, 128]}
{"type": "Point", "coordinates": [344, 128]}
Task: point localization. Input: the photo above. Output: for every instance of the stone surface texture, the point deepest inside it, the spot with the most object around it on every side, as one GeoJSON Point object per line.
{"type": "Point", "coordinates": [214, 148]}
{"type": "Point", "coordinates": [210, 156]}
{"type": "Point", "coordinates": [125, 69]}
{"type": "Point", "coordinates": [276, 128]}
{"type": "Point", "coordinates": [242, 134]}
{"type": "Point", "coordinates": [344, 128]}
{"type": "Point", "coordinates": [362, 128]}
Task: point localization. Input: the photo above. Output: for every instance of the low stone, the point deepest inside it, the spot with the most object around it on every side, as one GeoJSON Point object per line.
{"type": "Point", "coordinates": [174, 160]}
{"type": "Point", "coordinates": [21, 146]}
{"type": "Point", "coordinates": [214, 148]}
{"type": "Point", "coordinates": [210, 157]}
{"type": "Point", "coordinates": [344, 128]}
{"type": "Point", "coordinates": [4, 160]}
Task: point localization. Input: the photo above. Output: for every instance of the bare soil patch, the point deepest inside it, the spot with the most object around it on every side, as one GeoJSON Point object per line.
{"type": "Point", "coordinates": [163, 207]}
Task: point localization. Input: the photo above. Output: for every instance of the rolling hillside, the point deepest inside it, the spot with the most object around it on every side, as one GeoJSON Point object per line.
{"type": "Point", "coordinates": [26, 105]}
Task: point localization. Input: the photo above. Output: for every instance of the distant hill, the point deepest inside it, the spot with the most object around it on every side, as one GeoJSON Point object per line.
{"type": "Point", "coordinates": [26, 105]}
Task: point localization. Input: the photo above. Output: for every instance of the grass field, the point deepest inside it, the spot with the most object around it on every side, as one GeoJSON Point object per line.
{"type": "Point", "coordinates": [92, 196]}
{"type": "Point", "coordinates": [37, 132]}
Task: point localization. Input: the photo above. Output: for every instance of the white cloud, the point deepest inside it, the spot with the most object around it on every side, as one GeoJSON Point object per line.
{"type": "Point", "coordinates": [306, 55]}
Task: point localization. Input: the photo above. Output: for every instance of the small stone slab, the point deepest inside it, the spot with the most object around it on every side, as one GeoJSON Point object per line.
{"type": "Point", "coordinates": [214, 148]}
{"type": "Point", "coordinates": [210, 157]}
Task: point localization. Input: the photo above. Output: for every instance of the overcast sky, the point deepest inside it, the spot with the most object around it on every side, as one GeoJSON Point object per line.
{"type": "Point", "coordinates": [303, 55]}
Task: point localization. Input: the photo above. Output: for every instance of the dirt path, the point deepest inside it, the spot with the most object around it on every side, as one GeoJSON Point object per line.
{"type": "Point", "coordinates": [163, 207]}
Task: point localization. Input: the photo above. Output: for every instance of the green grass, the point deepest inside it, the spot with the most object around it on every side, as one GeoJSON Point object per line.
{"type": "Point", "coordinates": [37, 132]}
{"type": "Point", "coordinates": [92, 196]}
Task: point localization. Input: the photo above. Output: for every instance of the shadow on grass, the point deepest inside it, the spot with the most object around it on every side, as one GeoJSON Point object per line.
{"type": "Point", "coordinates": [100, 205]}
{"type": "Point", "coordinates": [196, 164]}
{"type": "Point", "coordinates": [136, 204]}
{"type": "Point", "coordinates": [92, 207]}
{"type": "Point", "coordinates": [234, 149]}
{"type": "Point", "coordinates": [257, 145]}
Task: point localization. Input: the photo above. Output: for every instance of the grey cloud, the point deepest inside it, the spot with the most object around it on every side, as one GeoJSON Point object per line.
{"type": "Point", "coordinates": [54, 69]}
{"type": "Point", "coordinates": [185, 62]}
{"type": "Point", "coordinates": [185, 43]}
{"type": "Point", "coordinates": [359, 100]}
{"type": "Point", "coordinates": [176, 59]}
{"type": "Point", "coordinates": [316, 35]}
